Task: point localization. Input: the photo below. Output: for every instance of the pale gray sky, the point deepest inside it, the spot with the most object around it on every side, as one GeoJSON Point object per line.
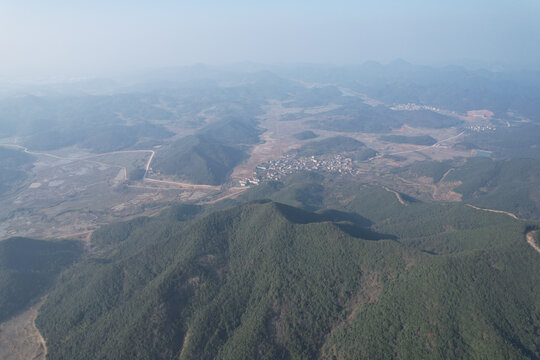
{"type": "Point", "coordinates": [40, 38]}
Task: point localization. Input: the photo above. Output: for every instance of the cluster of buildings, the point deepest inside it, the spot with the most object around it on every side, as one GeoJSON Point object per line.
{"type": "Point", "coordinates": [276, 169]}
{"type": "Point", "coordinates": [483, 127]}
{"type": "Point", "coordinates": [414, 107]}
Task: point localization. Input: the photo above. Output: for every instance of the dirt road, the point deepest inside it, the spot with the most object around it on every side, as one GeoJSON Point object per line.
{"type": "Point", "coordinates": [398, 195]}
{"type": "Point", "coordinates": [84, 236]}
{"type": "Point", "coordinates": [494, 211]}
{"type": "Point", "coordinates": [184, 185]}
{"type": "Point", "coordinates": [233, 192]}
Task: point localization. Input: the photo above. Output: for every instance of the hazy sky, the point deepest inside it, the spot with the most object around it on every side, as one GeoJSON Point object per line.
{"type": "Point", "coordinates": [92, 37]}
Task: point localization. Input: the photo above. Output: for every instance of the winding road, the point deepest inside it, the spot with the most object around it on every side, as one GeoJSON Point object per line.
{"type": "Point", "coordinates": [494, 211]}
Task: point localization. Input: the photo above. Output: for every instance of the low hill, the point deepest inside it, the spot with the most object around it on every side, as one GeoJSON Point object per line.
{"type": "Point", "coordinates": [305, 135]}
{"type": "Point", "coordinates": [209, 156]}
{"type": "Point", "coordinates": [198, 160]}
{"type": "Point", "coordinates": [336, 145]}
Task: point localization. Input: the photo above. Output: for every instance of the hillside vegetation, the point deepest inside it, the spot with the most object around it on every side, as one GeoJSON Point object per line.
{"type": "Point", "coordinates": [209, 156]}
{"type": "Point", "coordinates": [28, 268]}
{"type": "Point", "coordinates": [267, 280]}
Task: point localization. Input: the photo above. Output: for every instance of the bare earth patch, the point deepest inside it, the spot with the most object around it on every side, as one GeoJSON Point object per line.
{"type": "Point", "coordinates": [444, 191]}
{"type": "Point", "coordinates": [478, 115]}
{"type": "Point", "coordinates": [531, 240]}
{"type": "Point", "coordinates": [20, 339]}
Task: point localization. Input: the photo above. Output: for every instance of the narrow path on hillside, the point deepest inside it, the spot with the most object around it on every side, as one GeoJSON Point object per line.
{"type": "Point", "coordinates": [494, 211]}
{"type": "Point", "coordinates": [446, 174]}
{"type": "Point", "coordinates": [398, 195]}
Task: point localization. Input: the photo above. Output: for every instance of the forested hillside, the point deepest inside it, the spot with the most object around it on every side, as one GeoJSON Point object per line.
{"type": "Point", "coordinates": [209, 156]}
{"type": "Point", "coordinates": [199, 160]}
{"type": "Point", "coordinates": [28, 268]}
{"type": "Point", "coordinates": [371, 278]}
